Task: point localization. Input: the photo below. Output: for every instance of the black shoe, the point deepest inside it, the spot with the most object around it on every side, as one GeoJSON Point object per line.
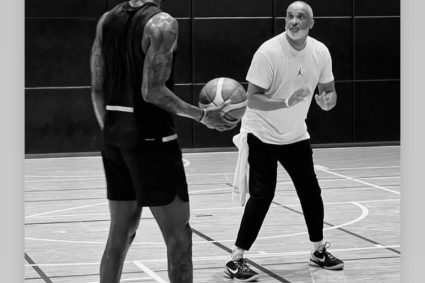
{"type": "Point", "coordinates": [240, 271]}
{"type": "Point", "coordinates": [325, 259]}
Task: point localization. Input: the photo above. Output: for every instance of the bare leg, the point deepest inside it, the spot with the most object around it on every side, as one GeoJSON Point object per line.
{"type": "Point", "coordinates": [173, 220]}
{"type": "Point", "coordinates": [125, 218]}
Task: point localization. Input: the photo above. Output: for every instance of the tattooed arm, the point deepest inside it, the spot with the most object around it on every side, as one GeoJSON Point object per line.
{"type": "Point", "coordinates": [159, 42]}
{"type": "Point", "coordinates": [97, 73]}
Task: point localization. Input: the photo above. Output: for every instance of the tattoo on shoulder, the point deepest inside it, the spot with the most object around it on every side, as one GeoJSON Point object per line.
{"type": "Point", "coordinates": [96, 60]}
{"type": "Point", "coordinates": [162, 30]}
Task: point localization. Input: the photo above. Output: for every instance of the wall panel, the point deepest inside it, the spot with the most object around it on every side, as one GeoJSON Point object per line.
{"type": "Point", "coordinates": [335, 125]}
{"type": "Point", "coordinates": [377, 111]}
{"type": "Point", "coordinates": [60, 121]}
{"type": "Point", "coordinates": [377, 48]}
{"type": "Point", "coordinates": [328, 8]}
{"type": "Point", "coordinates": [183, 64]}
{"type": "Point", "coordinates": [64, 8]}
{"type": "Point", "coordinates": [57, 52]}
{"type": "Point", "coordinates": [224, 48]}
{"type": "Point", "coordinates": [180, 8]}
{"type": "Point", "coordinates": [376, 8]}
{"type": "Point", "coordinates": [234, 8]}
{"type": "Point", "coordinates": [217, 38]}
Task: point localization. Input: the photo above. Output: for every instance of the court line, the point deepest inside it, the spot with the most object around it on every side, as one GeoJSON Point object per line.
{"type": "Point", "coordinates": [367, 239]}
{"type": "Point", "coordinates": [279, 182]}
{"type": "Point", "coordinates": [150, 272]}
{"type": "Point", "coordinates": [341, 168]}
{"type": "Point", "coordinates": [365, 168]}
{"type": "Point", "coordinates": [65, 176]}
{"type": "Point", "coordinates": [72, 222]}
{"type": "Point", "coordinates": [338, 227]}
{"type": "Point", "coordinates": [65, 180]}
{"type": "Point", "coordinates": [187, 163]}
{"type": "Point", "coordinates": [228, 250]}
{"type": "Point", "coordinates": [74, 215]}
{"type": "Point", "coordinates": [216, 152]}
{"type": "Point", "coordinates": [196, 192]}
{"type": "Point", "coordinates": [205, 174]}
{"type": "Point", "coordinates": [324, 169]}
{"type": "Point", "coordinates": [364, 213]}
{"type": "Point", "coordinates": [66, 209]}
{"type": "Point", "coordinates": [137, 279]}
{"type": "Point", "coordinates": [37, 269]}
{"type": "Point", "coordinates": [224, 257]}
{"type": "Point", "coordinates": [61, 200]}
{"type": "Point", "coordinates": [215, 208]}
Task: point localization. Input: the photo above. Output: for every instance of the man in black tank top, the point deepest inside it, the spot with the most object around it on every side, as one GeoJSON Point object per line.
{"type": "Point", "coordinates": [131, 66]}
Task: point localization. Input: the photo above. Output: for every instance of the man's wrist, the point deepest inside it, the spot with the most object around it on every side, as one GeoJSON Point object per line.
{"type": "Point", "coordinates": [285, 103]}
{"type": "Point", "coordinates": [203, 116]}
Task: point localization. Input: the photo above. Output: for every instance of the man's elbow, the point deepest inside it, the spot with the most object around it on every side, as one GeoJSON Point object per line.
{"type": "Point", "coordinates": [151, 95]}
{"type": "Point", "coordinates": [254, 102]}
{"type": "Point", "coordinates": [251, 104]}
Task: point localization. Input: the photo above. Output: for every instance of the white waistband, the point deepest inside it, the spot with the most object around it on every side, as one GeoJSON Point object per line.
{"type": "Point", "coordinates": [164, 139]}
{"type": "Point", "coordinates": [119, 108]}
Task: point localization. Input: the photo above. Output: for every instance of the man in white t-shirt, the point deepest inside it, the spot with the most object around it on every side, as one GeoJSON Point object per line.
{"type": "Point", "coordinates": [283, 74]}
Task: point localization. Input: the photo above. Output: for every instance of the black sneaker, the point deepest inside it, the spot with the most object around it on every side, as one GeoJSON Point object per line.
{"type": "Point", "coordinates": [240, 271]}
{"type": "Point", "coordinates": [325, 259]}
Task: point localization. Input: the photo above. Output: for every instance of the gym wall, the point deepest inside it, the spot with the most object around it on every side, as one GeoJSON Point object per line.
{"type": "Point", "coordinates": [217, 38]}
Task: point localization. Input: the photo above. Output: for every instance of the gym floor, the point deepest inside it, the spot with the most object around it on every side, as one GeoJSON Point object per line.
{"type": "Point", "coordinates": [67, 221]}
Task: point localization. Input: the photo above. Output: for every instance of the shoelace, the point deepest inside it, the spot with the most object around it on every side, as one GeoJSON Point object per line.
{"type": "Point", "coordinates": [242, 264]}
{"type": "Point", "coordinates": [323, 250]}
{"type": "Point", "coordinates": [328, 255]}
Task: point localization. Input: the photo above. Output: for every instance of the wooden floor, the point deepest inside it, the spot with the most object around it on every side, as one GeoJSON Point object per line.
{"type": "Point", "coordinates": [67, 221]}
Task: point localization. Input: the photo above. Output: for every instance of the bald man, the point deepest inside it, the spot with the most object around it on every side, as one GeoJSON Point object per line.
{"type": "Point", "coordinates": [284, 72]}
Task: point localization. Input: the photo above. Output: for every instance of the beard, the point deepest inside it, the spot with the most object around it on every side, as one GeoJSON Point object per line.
{"type": "Point", "coordinates": [301, 33]}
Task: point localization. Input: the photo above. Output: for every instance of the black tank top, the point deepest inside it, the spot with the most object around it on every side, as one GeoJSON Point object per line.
{"type": "Point", "coordinates": [129, 120]}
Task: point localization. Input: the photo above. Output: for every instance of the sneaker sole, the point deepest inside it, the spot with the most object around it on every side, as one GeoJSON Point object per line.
{"type": "Point", "coordinates": [229, 276]}
{"type": "Point", "coordinates": [335, 267]}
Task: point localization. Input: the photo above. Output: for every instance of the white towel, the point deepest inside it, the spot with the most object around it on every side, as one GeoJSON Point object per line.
{"type": "Point", "coordinates": [241, 177]}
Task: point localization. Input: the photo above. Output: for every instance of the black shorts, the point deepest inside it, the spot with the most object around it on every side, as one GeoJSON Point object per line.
{"type": "Point", "coordinates": [152, 174]}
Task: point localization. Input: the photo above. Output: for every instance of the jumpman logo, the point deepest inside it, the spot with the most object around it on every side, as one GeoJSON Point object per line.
{"type": "Point", "coordinates": [300, 73]}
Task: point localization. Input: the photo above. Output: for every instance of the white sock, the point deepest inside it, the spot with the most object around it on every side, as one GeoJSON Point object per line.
{"type": "Point", "coordinates": [237, 253]}
{"type": "Point", "coordinates": [316, 245]}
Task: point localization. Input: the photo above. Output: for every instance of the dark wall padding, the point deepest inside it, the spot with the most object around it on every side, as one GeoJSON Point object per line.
{"type": "Point", "coordinates": [217, 38]}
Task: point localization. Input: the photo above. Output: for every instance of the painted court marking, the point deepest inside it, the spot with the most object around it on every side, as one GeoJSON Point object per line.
{"type": "Point", "coordinates": [363, 215]}
{"type": "Point", "coordinates": [137, 279]}
{"type": "Point", "coordinates": [151, 276]}
{"type": "Point", "coordinates": [213, 209]}
{"type": "Point", "coordinates": [150, 272]}
{"type": "Point", "coordinates": [324, 169]}
{"type": "Point", "coordinates": [260, 254]}
{"type": "Point", "coordinates": [66, 209]}
{"type": "Point", "coordinates": [186, 163]}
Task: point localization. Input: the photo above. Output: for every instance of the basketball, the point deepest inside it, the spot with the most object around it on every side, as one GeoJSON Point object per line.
{"type": "Point", "coordinates": [218, 90]}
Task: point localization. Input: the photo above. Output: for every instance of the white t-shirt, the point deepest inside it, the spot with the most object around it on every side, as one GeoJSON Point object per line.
{"type": "Point", "coordinates": [281, 70]}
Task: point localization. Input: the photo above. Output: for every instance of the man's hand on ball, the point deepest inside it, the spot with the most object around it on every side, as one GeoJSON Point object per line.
{"type": "Point", "coordinates": [214, 118]}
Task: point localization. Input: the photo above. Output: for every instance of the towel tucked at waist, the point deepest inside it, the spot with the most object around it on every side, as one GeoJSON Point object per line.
{"type": "Point", "coordinates": [241, 177]}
